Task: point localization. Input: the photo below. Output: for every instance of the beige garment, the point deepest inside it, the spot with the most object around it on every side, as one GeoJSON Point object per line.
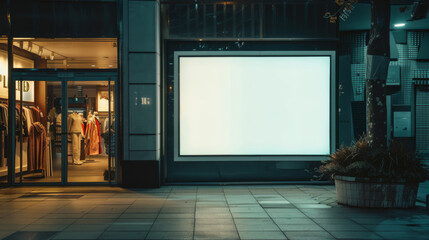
{"type": "Point", "coordinates": [74, 123]}
{"type": "Point", "coordinates": [28, 117]}
{"type": "Point", "coordinates": [59, 120]}
{"type": "Point", "coordinates": [51, 114]}
{"type": "Point", "coordinates": [74, 128]}
{"type": "Point", "coordinates": [76, 146]}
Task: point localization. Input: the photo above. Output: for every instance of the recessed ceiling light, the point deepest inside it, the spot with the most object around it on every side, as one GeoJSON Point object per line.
{"type": "Point", "coordinates": [92, 65]}
{"type": "Point", "coordinates": [399, 25]}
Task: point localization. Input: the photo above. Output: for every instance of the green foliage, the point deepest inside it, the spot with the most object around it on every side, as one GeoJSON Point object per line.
{"type": "Point", "coordinates": [397, 163]}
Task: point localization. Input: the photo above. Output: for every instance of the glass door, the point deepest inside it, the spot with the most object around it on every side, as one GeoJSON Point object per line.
{"type": "Point", "coordinates": [38, 131]}
{"type": "Point", "coordinates": [91, 131]}
{"type": "Point", "coordinates": [4, 108]}
{"type": "Point", "coordinates": [65, 130]}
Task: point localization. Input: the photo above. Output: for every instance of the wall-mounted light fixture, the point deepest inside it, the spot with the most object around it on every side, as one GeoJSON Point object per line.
{"type": "Point", "coordinates": [52, 56]}
{"type": "Point", "coordinates": [399, 25]}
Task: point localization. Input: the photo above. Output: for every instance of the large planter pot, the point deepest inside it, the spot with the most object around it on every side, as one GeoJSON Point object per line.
{"type": "Point", "coordinates": [375, 193]}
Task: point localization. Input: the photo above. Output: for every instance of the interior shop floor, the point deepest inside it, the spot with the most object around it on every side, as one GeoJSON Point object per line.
{"type": "Point", "coordinates": [92, 170]}
{"type": "Point", "coordinates": [198, 212]}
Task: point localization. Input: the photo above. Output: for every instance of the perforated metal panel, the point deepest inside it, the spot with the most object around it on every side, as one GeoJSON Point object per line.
{"type": "Point", "coordinates": [358, 53]}
{"type": "Point", "coordinates": [354, 43]}
{"type": "Point", "coordinates": [422, 121]}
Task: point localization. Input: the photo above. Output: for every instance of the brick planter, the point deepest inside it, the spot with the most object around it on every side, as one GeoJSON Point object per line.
{"type": "Point", "coordinates": [375, 193]}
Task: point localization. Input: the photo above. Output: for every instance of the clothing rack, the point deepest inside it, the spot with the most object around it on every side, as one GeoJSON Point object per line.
{"type": "Point", "coordinates": [21, 136]}
{"type": "Point", "coordinates": [3, 139]}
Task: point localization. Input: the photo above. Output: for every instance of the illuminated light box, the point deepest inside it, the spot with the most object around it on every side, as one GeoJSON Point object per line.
{"type": "Point", "coordinates": [27, 86]}
{"type": "Point", "coordinates": [241, 106]}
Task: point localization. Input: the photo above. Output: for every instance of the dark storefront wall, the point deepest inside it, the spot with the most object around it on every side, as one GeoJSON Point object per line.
{"type": "Point", "coordinates": [72, 19]}
{"type": "Point", "coordinates": [3, 17]}
{"type": "Point", "coordinates": [252, 26]}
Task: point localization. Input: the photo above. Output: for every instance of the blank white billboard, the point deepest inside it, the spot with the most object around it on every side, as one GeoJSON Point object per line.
{"type": "Point", "coordinates": [254, 105]}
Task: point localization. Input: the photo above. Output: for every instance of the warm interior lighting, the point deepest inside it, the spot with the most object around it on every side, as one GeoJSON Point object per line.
{"type": "Point", "coordinates": [40, 52]}
{"type": "Point", "coordinates": [80, 53]}
{"type": "Point", "coordinates": [30, 46]}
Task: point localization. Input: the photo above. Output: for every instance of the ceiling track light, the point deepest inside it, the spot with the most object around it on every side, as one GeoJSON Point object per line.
{"type": "Point", "coordinates": [30, 46]}
{"type": "Point", "coordinates": [40, 52]}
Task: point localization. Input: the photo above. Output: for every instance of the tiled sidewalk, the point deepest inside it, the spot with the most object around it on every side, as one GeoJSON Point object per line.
{"type": "Point", "coordinates": [203, 212]}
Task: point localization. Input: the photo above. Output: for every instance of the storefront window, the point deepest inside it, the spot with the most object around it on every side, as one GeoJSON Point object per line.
{"type": "Point", "coordinates": [38, 141]}
{"type": "Point", "coordinates": [91, 131]}
{"type": "Point", "coordinates": [65, 110]}
{"type": "Point", "coordinates": [3, 109]}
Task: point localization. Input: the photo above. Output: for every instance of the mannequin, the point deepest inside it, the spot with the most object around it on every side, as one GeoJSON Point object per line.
{"type": "Point", "coordinates": [74, 128]}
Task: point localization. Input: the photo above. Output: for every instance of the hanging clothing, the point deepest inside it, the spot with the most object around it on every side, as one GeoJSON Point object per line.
{"type": "Point", "coordinates": [25, 125]}
{"type": "Point", "coordinates": [92, 137]}
{"type": "Point", "coordinates": [3, 132]}
{"type": "Point", "coordinates": [59, 120]}
{"type": "Point", "coordinates": [106, 135]}
{"type": "Point", "coordinates": [99, 135]}
{"type": "Point", "coordinates": [106, 125]}
{"type": "Point", "coordinates": [28, 116]}
{"type": "Point", "coordinates": [4, 116]}
{"type": "Point", "coordinates": [36, 114]}
{"type": "Point", "coordinates": [51, 114]}
{"type": "Point", "coordinates": [37, 147]}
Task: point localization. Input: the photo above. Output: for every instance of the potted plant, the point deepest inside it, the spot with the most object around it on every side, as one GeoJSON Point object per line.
{"type": "Point", "coordinates": [367, 177]}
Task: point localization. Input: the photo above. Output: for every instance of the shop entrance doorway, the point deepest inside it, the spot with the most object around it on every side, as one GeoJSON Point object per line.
{"type": "Point", "coordinates": [66, 129]}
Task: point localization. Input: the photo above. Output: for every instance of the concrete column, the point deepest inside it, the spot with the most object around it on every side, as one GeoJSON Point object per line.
{"type": "Point", "coordinates": [141, 94]}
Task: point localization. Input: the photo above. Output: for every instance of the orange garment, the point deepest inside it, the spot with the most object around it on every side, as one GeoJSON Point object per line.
{"type": "Point", "coordinates": [92, 145]}
{"type": "Point", "coordinates": [99, 136]}
{"type": "Point", "coordinates": [37, 147]}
